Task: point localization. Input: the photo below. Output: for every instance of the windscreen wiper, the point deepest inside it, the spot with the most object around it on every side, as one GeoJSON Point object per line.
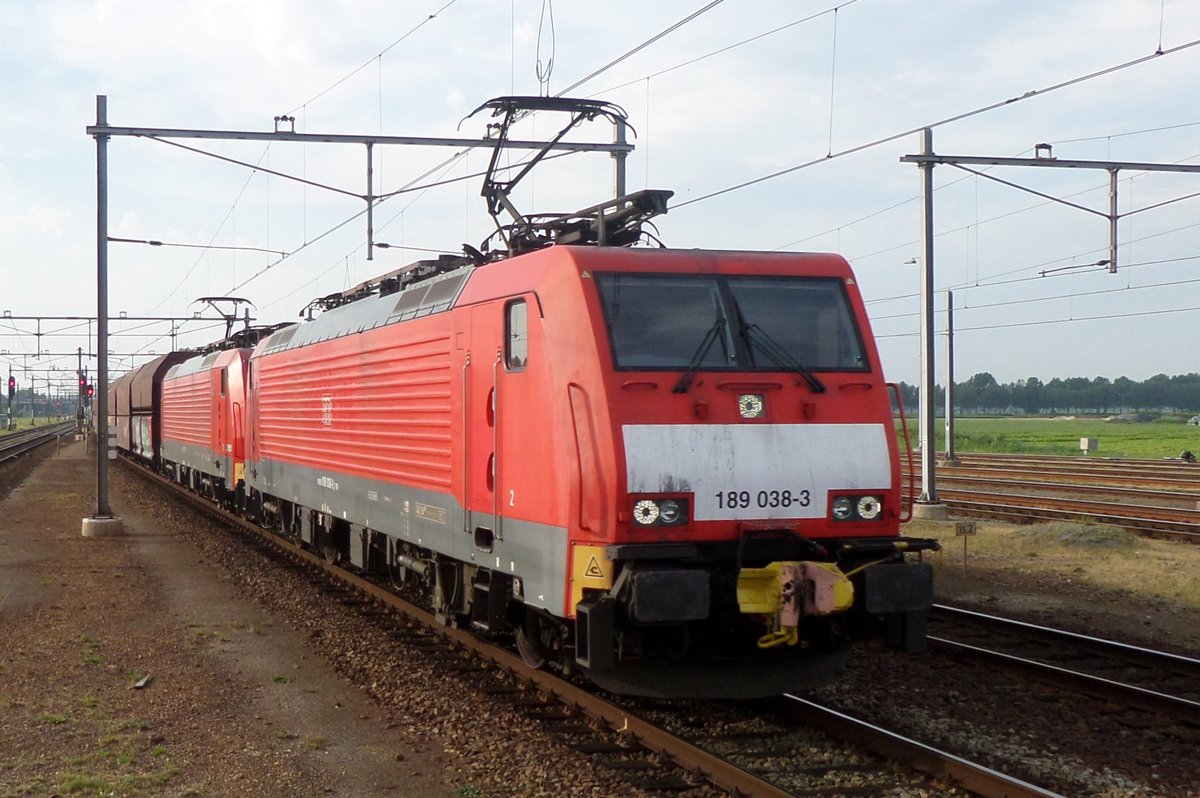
{"type": "Point", "coordinates": [772, 349]}
{"type": "Point", "coordinates": [689, 374]}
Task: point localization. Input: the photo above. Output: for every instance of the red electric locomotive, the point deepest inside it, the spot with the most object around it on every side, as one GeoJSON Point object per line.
{"type": "Point", "coordinates": [672, 470]}
{"type": "Point", "coordinates": [203, 423]}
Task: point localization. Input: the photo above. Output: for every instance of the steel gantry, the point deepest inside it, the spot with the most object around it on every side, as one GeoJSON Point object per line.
{"type": "Point", "coordinates": [102, 132]}
{"type": "Point", "coordinates": [928, 502]}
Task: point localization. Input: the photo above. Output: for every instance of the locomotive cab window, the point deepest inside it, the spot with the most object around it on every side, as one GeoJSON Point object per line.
{"type": "Point", "coordinates": [730, 322]}
{"type": "Point", "coordinates": [516, 335]}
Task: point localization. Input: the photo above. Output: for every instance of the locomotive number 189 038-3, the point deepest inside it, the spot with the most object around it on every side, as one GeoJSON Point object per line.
{"type": "Point", "coordinates": [763, 499]}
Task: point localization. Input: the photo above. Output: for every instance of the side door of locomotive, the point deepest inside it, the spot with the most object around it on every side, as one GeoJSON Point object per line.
{"type": "Point", "coordinates": [481, 368]}
{"type": "Point", "coordinates": [222, 441]}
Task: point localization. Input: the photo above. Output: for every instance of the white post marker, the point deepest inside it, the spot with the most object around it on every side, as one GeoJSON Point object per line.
{"type": "Point", "coordinates": [964, 529]}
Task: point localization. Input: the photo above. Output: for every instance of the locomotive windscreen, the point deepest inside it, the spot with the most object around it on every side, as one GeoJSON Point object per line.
{"type": "Point", "coordinates": [730, 322]}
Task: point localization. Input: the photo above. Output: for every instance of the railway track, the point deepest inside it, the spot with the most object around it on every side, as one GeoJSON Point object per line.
{"type": "Point", "coordinates": [971, 776]}
{"type": "Point", "coordinates": [1169, 468]}
{"type": "Point", "coordinates": [1133, 676]}
{"type": "Point", "coordinates": [1148, 520]}
{"type": "Point", "coordinates": [16, 444]}
{"type": "Point", "coordinates": [651, 755]}
{"type": "Point", "coordinates": [1152, 498]}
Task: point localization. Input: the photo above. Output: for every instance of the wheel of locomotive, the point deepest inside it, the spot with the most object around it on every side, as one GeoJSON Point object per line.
{"type": "Point", "coordinates": [290, 523]}
{"type": "Point", "coordinates": [329, 551]}
{"type": "Point", "coordinates": [270, 519]}
{"type": "Point", "coordinates": [534, 639]}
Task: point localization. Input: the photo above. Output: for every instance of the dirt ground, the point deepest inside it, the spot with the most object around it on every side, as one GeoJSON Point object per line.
{"type": "Point", "coordinates": [230, 703]}
{"type": "Point", "coordinates": [1088, 579]}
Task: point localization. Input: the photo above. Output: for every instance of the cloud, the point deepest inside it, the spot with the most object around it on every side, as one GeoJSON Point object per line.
{"type": "Point", "coordinates": [36, 221]}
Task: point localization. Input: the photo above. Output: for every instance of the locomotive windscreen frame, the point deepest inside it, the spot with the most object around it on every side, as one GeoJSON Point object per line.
{"type": "Point", "coordinates": [729, 322]}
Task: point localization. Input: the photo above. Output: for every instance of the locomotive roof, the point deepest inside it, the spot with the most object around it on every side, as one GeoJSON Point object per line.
{"type": "Point", "coordinates": [198, 363]}
{"type": "Point", "coordinates": [440, 293]}
{"type": "Point", "coordinates": [433, 295]}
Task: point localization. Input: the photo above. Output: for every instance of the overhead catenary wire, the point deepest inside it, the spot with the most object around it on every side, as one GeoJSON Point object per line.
{"type": "Point", "coordinates": [832, 79]}
{"type": "Point", "coordinates": [380, 199]}
{"type": "Point", "coordinates": [454, 158]}
{"type": "Point", "coordinates": [544, 72]}
{"type": "Point", "coordinates": [375, 58]}
{"type": "Point", "coordinates": [1043, 322]}
{"type": "Point", "coordinates": [449, 161]}
{"type": "Point", "coordinates": [996, 281]}
{"type": "Point", "coordinates": [858, 257]}
{"type": "Point", "coordinates": [951, 183]}
{"type": "Point", "coordinates": [1123, 134]}
{"type": "Point", "coordinates": [628, 53]}
{"type": "Point", "coordinates": [1086, 254]}
{"type": "Point", "coordinates": [217, 232]}
{"type": "Point", "coordinates": [726, 48]}
{"type": "Point", "coordinates": [1072, 295]}
{"type": "Point", "coordinates": [372, 59]}
{"type": "Point", "coordinates": [940, 123]}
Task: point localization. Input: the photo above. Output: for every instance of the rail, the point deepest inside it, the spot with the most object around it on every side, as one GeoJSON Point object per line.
{"type": "Point", "coordinates": [971, 776]}
{"type": "Point", "coordinates": [18, 443]}
{"type": "Point", "coordinates": [1091, 656]}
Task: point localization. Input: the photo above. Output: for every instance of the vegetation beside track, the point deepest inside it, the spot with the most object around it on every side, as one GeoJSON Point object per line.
{"type": "Point", "coordinates": [24, 422]}
{"type": "Point", "coordinates": [1060, 436]}
{"type": "Point", "coordinates": [1096, 556]}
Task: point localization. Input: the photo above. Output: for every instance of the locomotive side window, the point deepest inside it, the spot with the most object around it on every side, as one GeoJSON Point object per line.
{"type": "Point", "coordinates": [730, 322]}
{"type": "Point", "coordinates": [516, 335]}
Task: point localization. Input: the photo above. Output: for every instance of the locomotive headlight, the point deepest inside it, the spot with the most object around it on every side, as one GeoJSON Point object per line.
{"type": "Point", "coordinates": [669, 511]}
{"type": "Point", "coordinates": [645, 512]}
{"type": "Point", "coordinates": [869, 507]}
{"type": "Point", "coordinates": [659, 511]}
{"type": "Point", "coordinates": [843, 508]}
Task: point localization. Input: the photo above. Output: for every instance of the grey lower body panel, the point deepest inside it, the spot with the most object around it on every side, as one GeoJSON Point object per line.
{"type": "Point", "coordinates": [198, 458]}
{"type": "Point", "coordinates": [435, 520]}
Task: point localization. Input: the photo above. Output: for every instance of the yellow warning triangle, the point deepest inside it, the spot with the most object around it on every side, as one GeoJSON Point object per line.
{"type": "Point", "coordinates": [593, 569]}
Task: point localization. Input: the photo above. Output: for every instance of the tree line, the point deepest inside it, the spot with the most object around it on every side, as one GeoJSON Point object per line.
{"type": "Point", "coordinates": [983, 394]}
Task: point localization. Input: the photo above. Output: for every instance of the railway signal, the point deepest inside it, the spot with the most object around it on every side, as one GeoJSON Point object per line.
{"type": "Point", "coordinates": [12, 388]}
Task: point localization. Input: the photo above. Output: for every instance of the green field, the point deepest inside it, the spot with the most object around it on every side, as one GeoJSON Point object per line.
{"type": "Point", "coordinates": [1153, 440]}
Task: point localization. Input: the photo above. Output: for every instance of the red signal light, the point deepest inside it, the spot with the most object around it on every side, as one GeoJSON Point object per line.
{"type": "Point", "coordinates": [91, 389]}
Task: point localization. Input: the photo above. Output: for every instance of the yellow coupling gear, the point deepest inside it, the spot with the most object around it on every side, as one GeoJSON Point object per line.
{"type": "Point", "coordinates": [789, 636]}
{"type": "Point", "coordinates": [783, 592]}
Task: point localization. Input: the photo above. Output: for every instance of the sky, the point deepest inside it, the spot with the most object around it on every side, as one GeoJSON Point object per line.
{"type": "Point", "coordinates": [827, 96]}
